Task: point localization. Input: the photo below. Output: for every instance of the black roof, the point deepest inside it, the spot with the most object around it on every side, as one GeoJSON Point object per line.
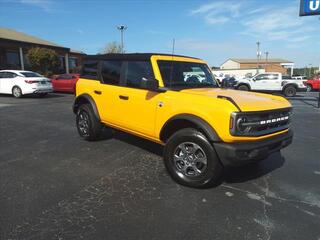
{"type": "Point", "coordinates": [128, 56]}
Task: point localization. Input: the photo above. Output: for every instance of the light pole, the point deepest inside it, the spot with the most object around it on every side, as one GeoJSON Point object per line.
{"type": "Point", "coordinates": [258, 56]}
{"type": "Point", "coordinates": [122, 28]}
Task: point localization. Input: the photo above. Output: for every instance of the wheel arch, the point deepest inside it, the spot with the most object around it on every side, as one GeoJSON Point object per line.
{"type": "Point", "coordinates": [85, 99]}
{"type": "Point", "coordinates": [290, 84]}
{"type": "Point", "coordinates": [246, 84]}
{"type": "Point", "coordinates": [181, 121]}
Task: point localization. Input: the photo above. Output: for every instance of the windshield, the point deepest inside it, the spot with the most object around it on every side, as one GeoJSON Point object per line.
{"type": "Point", "coordinates": [30, 74]}
{"type": "Point", "coordinates": [180, 75]}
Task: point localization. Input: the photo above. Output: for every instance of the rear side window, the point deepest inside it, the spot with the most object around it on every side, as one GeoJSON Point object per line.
{"type": "Point", "coordinates": [110, 72]}
{"type": "Point", "coordinates": [30, 74]}
{"type": "Point", "coordinates": [90, 69]}
{"type": "Point", "coordinates": [136, 71]}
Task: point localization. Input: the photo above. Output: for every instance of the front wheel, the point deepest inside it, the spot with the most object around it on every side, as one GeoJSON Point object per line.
{"type": "Point", "coordinates": [89, 127]}
{"type": "Point", "coordinates": [243, 88]}
{"type": "Point", "coordinates": [290, 91]}
{"type": "Point", "coordinates": [16, 92]}
{"type": "Point", "coordinates": [191, 160]}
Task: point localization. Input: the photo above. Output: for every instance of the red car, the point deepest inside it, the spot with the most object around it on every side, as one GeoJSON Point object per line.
{"type": "Point", "coordinates": [65, 82]}
{"type": "Point", "coordinates": [313, 84]}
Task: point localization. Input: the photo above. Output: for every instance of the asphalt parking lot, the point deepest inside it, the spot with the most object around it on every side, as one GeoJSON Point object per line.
{"type": "Point", "coordinates": [53, 185]}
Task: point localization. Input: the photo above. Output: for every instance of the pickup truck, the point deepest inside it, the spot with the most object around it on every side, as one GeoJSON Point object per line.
{"type": "Point", "coordinates": [272, 82]}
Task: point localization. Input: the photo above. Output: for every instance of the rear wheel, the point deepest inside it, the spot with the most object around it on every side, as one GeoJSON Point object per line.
{"type": "Point", "coordinates": [243, 88]}
{"type": "Point", "coordinates": [309, 88]}
{"type": "Point", "coordinates": [16, 92]}
{"type": "Point", "coordinates": [290, 91]}
{"type": "Point", "coordinates": [191, 160]}
{"type": "Point", "coordinates": [89, 127]}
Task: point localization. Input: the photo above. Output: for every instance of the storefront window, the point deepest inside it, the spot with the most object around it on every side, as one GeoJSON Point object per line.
{"type": "Point", "coordinates": [13, 59]}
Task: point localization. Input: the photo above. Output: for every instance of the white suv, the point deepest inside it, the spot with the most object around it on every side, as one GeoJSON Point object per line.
{"type": "Point", "coordinates": [20, 83]}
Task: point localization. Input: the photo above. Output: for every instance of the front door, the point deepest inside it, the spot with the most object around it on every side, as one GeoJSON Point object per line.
{"type": "Point", "coordinates": [266, 82]}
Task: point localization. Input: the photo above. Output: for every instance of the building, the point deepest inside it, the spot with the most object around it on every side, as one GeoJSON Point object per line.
{"type": "Point", "coordinates": [14, 46]}
{"type": "Point", "coordinates": [270, 65]}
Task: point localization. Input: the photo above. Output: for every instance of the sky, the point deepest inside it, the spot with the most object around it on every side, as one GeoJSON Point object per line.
{"type": "Point", "coordinates": [213, 30]}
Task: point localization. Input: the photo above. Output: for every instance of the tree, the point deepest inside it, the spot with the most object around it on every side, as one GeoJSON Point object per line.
{"type": "Point", "coordinates": [43, 60]}
{"type": "Point", "coordinates": [112, 47]}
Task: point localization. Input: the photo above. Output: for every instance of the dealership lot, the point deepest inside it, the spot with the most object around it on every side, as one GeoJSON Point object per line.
{"type": "Point", "coordinates": [53, 185]}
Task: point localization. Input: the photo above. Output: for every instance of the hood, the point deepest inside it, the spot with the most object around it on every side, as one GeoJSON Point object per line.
{"type": "Point", "coordinates": [247, 101]}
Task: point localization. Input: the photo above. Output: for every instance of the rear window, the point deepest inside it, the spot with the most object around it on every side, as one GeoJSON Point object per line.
{"type": "Point", "coordinates": [90, 69]}
{"type": "Point", "coordinates": [30, 74]}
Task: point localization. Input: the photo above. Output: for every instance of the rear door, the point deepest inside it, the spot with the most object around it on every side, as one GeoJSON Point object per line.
{"type": "Point", "coordinates": [107, 94]}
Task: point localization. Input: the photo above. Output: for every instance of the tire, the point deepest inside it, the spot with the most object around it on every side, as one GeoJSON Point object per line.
{"type": "Point", "coordinates": [191, 160]}
{"type": "Point", "coordinates": [290, 91]}
{"type": "Point", "coordinates": [309, 88]}
{"type": "Point", "coordinates": [88, 126]}
{"type": "Point", "coordinates": [243, 88]}
{"type": "Point", "coordinates": [16, 92]}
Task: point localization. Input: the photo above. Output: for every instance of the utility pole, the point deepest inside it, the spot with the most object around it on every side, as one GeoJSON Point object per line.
{"type": "Point", "coordinates": [258, 56]}
{"type": "Point", "coordinates": [122, 28]}
{"type": "Point", "coordinates": [267, 54]}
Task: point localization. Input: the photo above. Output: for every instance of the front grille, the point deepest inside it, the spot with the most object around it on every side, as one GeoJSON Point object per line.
{"type": "Point", "coordinates": [260, 123]}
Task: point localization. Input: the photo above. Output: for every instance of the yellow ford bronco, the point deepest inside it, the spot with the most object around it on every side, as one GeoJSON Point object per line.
{"type": "Point", "coordinates": [175, 101]}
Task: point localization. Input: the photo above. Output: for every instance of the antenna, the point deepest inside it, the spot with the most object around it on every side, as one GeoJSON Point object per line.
{"type": "Point", "coordinates": [171, 70]}
{"type": "Point", "coordinates": [173, 45]}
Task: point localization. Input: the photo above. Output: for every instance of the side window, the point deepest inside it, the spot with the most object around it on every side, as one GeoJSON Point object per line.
{"type": "Point", "coordinates": [273, 77]}
{"type": "Point", "coordinates": [261, 77]}
{"type": "Point", "coordinates": [2, 75]}
{"type": "Point", "coordinates": [9, 75]}
{"type": "Point", "coordinates": [136, 71]}
{"type": "Point", "coordinates": [110, 72]}
{"type": "Point", "coordinates": [90, 69]}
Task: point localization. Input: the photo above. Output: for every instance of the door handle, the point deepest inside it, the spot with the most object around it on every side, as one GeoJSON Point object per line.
{"type": "Point", "coordinates": [123, 97]}
{"type": "Point", "coordinates": [97, 92]}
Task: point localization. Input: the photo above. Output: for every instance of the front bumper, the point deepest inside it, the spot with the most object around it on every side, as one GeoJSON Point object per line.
{"type": "Point", "coordinates": [302, 89]}
{"type": "Point", "coordinates": [241, 153]}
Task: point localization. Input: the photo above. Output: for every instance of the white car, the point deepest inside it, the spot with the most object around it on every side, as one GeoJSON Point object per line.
{"type": "Point", "coordinates": [272, 82]}
{"type": "Point", "coordinates": [19, 82]}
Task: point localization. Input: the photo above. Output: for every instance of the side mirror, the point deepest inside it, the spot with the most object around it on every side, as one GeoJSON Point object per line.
{"type": "Point", "coordinates": [150, 84]}
{"type": "Point", "coordinates": [254, 79]}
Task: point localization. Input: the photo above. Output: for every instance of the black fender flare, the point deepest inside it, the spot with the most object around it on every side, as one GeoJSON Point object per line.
{"type": "Point", "coordinates": [202, 124]}
{"type": "Point", "coordinates": [290, 84]}
{"type": "Point", "coordinates": [82, 99]}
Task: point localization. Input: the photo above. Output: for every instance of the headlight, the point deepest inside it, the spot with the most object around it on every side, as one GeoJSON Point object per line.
{"type": "Point", "coordinates": [242, 125]}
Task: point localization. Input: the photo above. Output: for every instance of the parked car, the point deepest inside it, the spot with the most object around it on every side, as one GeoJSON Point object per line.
{"type": "Point", "coordinates": [65, 82]}
{"type": "Point", "coordinates": [19, 83]}
{"type": "Point", "coordinates": [313, 84]}
{"type": "Point", "coordinates": [272, 82]}
{"type": "Point", "coordinates": [202, 127]}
